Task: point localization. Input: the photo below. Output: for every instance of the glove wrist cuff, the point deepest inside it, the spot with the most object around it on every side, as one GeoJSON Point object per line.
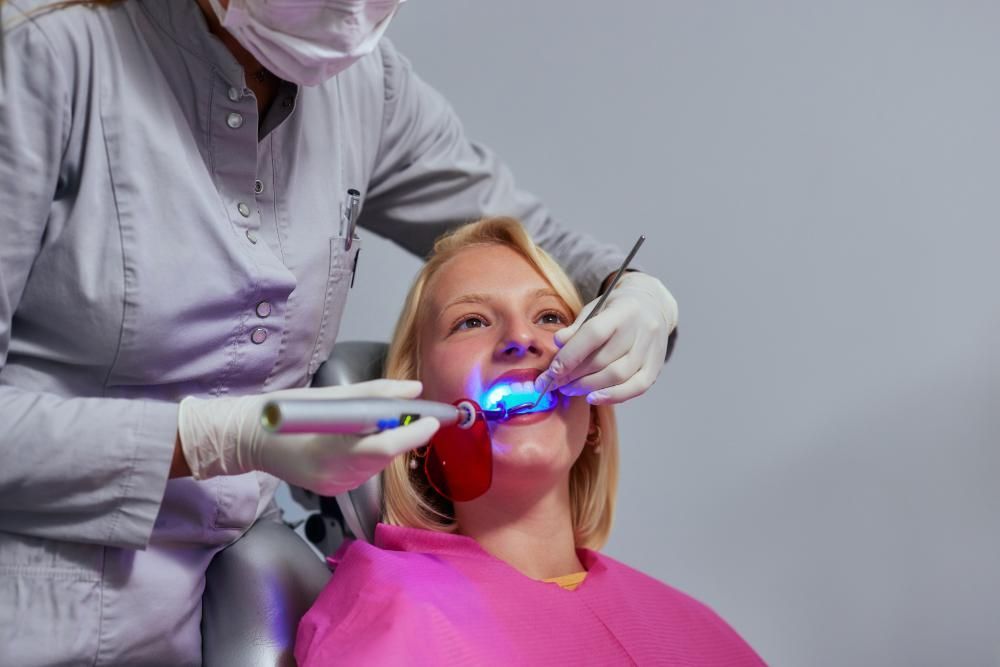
{"type": "Point", "coordinates": [659, 291]}
{"type": "Point", "coordinates": [204, 427]}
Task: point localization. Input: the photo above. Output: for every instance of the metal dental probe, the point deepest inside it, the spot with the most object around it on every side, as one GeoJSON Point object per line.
{"type": "Point", "coordinates": [600, 304]}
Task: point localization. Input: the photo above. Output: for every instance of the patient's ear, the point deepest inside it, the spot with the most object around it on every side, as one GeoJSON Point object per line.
{"type": "Point", "coordinates": [594, 432]}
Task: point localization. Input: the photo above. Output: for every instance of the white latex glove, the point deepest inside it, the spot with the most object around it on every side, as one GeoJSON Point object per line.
{"type": "Point", "coordinates": [224, 436]}
{"type": "Point", "coordinates": [619, 353]}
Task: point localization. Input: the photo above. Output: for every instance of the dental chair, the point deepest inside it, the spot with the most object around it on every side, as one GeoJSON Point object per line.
{"type": "Point", "coordinates": [258, 588]}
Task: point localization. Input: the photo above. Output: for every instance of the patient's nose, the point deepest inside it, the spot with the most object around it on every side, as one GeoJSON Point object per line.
{"type": "Point", "coordinates": [520, 339]}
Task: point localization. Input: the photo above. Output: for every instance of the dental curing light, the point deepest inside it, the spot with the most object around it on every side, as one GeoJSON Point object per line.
{"type": "Point", "coordinates": [360, 415]}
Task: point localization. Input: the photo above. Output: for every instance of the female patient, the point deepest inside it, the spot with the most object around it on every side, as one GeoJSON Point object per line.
{"type": "Point", "coordinates": [512, 577]}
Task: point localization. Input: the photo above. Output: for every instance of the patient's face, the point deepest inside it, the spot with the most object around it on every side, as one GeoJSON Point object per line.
{"type": "Point", "coordinates": [491, 317]}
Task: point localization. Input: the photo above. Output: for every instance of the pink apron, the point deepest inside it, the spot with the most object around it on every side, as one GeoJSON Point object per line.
{"type": "Point", "coordinates": [428, 598]}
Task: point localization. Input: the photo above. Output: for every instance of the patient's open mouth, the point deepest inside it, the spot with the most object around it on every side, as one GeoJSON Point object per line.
{"type": "Point", "coordinates": [514, 388]}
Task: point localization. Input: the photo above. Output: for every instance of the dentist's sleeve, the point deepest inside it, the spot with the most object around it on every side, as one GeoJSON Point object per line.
{"type": "Point", "coordinates": [429, 177]}
{"type": "Point", "coordinates": [79, 469]}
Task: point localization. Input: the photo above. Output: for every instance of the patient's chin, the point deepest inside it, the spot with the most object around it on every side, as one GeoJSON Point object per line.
{"type": "Point", "coordinates": [526, 456]}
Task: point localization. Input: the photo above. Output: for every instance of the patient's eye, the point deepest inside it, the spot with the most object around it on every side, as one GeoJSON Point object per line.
{"type": "Point", "coordinates": [470, 322]}
{"type": "Point", "coordinates": [552, 317]}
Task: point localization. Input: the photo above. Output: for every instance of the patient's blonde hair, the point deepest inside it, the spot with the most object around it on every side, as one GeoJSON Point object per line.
{"type": "Point", "coordinates": [408, 500]}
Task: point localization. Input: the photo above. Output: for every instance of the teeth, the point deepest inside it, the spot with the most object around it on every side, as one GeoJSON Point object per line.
{"type": "Point", "coordinates": [503, 391]}
{"type": "Point", "coordinates": [497, 394]}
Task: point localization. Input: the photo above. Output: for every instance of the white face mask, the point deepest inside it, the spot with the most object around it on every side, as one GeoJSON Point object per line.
{"type": "Point", "coordinates": [307, 41]}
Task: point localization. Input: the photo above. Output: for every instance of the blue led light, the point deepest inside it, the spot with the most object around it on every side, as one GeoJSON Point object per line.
{"type": "Point", "coordinates": [512, 398]}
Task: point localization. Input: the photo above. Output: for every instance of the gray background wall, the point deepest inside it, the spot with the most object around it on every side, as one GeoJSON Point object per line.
{"type": "Point", "coordinates": [819, 184]}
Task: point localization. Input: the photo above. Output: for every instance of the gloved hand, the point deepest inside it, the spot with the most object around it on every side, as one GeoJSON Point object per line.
{"type": "Point", "coordinates": [619, 353]}
{"type": "Point", "coordinates": [224, 436]}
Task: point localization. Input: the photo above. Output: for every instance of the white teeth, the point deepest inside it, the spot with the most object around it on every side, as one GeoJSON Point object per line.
{"type": "Point", "coordinates": [500, 393]}
{"type": "Point", "coordinates": [505, 390]}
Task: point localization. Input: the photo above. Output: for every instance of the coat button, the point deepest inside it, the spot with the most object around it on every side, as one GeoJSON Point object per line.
{"type": "Point", "coordinates": [243, 209]}
{"type": "Point", "coordinates": [258, 187]}
{"type": "Point", "coordinates": [234, 120]}
{"type": "Point", "coordinates": [234, 94]}
{"type": "Point", "coordinates": [259, 335]}
{"type": "Point", "coordinates": [251, 236]}
{"type": "Point", "coordinates": [263, 309]}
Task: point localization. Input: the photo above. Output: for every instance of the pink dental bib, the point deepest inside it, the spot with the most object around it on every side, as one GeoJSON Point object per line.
{"type": "Point", "coordinates": [426, 598]}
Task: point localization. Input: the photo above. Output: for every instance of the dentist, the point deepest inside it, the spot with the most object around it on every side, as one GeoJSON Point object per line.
{"type": "Point", "coordinates": [174, 251]}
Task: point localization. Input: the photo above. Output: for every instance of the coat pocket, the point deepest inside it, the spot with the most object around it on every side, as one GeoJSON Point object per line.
{"type": "Point", "coordinates": [50, 600]}
{"type": "Point", "coordinates": [341, 273]}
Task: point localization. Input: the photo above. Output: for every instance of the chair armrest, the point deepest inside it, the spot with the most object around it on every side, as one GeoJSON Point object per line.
{"type": "Point", "coordinates": [256, 592]}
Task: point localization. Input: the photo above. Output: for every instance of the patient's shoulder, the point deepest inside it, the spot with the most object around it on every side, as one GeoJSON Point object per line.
{"type": "Point", "coordinates": [689, 621]}
{"type": "Point", "coordinates": [388, 567]}
{"type": "Point", "coordinates": [398, 579]}
{"type": "Point", "coordinates": [641, 586]}
{"type": "Point", "coordinates": [384, 606]}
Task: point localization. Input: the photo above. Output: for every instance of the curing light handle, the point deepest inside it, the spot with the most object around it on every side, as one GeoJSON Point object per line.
{"type": "Point", "coordinates": [356, 415]}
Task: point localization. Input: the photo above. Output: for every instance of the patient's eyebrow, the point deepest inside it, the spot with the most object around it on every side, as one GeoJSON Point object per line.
{"type": "Point", "coordinates": [468, 298]}
{"type": "Point", "coordinates": [483, 298]}
{"type": "Point", "coordinates": [545, 292]}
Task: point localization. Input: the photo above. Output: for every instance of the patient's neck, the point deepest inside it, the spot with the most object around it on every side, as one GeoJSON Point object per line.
{"type": "Point", "coordinates": [531, 532]}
